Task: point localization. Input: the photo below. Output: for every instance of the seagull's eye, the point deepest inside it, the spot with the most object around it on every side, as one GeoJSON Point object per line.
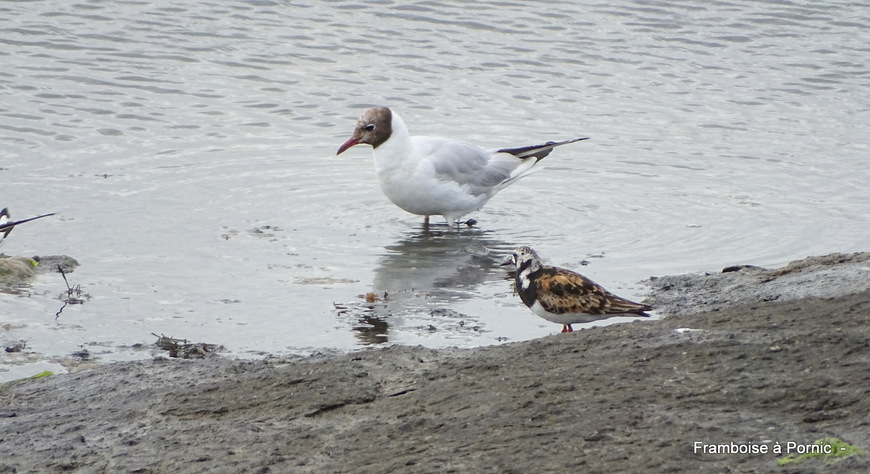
{"type": "Point", "coordinates": [370, 127]}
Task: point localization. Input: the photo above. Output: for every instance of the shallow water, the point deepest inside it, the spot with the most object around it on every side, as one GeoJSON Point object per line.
{"type": "Point", "coordinates": [189, 153]}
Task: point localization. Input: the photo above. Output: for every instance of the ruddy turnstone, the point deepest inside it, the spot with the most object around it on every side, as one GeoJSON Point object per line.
{"type": "Point", "coordinates": [6, 226]}
{"type": "Point", "coordinates": [565, 297]}
{"type": "Point", "coordinates": [438, 176]}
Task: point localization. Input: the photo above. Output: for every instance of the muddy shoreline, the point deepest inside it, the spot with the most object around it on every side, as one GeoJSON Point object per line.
{"type": "Point", "coordinates": [751, 357]}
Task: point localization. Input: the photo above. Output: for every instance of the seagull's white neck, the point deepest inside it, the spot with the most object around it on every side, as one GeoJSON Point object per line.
{"type": "Point", "coordinates": [397, 149]}
{"type": "Point", "coordinates": [399, 129]}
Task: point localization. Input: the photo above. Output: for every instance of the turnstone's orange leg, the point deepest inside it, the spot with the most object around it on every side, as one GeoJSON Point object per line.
{"type": "Point", "coordinates": [564, 328]}
{"type": "Point", "coordinates": [570, 329]}
{"type": "Point", "coordinates": [426, 220]}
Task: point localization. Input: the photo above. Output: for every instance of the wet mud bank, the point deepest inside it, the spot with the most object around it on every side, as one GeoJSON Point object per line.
{"type": "Point", "coordinates": [739, 362]}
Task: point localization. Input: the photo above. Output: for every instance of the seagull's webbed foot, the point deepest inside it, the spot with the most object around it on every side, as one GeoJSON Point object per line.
{"type": "Point", "coordinates": [457, 224]}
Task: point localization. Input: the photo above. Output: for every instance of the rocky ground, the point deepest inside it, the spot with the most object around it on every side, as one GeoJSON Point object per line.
{"type": "Point", "coordinates": [750, 359]}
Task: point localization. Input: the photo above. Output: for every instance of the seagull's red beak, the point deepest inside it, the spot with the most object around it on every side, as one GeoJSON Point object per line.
{"type": "Point", "coordinates": [353, 141]}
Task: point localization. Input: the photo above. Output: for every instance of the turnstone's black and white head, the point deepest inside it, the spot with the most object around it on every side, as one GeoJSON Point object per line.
{"type": "Point", "coordinates": [565, 297]}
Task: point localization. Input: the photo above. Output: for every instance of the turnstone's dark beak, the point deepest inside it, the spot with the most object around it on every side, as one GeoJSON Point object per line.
{"type": "Point", "coordinates": [509, 261]}
{"type": "Point", "coordinates": [353, 141]}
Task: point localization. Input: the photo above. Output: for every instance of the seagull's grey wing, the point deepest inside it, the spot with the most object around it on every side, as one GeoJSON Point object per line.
{"type": "Point", "coordinates": [466, 164]}
{"type": "Point", "coordinates": [483, 171]}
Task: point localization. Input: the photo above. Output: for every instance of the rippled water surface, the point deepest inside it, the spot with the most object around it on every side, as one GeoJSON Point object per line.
{"type": "Point", "coordinates": [188, 149]}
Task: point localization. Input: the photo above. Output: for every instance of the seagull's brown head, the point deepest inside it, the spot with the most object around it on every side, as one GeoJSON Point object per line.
{"type": "Point", "coordinates": [373, 128]}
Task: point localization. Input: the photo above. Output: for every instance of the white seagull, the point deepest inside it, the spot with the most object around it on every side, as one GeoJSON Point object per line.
{"type": "Point", "coordinates": [438, 176]}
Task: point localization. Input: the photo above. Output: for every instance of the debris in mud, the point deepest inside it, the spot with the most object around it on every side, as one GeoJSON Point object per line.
{"type": "Point", "coordinates": [325, 281]}
{"type": "Point", "coordinates": [184, 349]}
{"type": "Point", "coordinates": [229, 234]}
{"type": "Point", "coordinates": [16, 347]}
{"type": "Point", "coordinates": [451, 314]}
{"type": "Point", "coordinates": [59, 263]}
{"type": "Point", "coordinates": [372, 297]}
{"type": "Point", "coordinates": [263, 231]}
{"type": "Point", "coordinates": [14, 271]}
{"type": "Point", "coordinates": [267, 231]}
{"type": "Point", "coordinates": [74, 295]}
{"type": "Point", "coordinates": [82, 354]}
{"type": "Point", "coordinates": [370, 329]}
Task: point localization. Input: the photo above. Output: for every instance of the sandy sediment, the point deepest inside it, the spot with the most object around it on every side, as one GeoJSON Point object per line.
{"type": "Point", "coordinates": [752, 358]}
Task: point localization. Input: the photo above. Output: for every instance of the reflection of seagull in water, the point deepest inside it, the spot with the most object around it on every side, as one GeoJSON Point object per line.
{"type": "Point", "coordinates": [423, 271]}
{"type": "Point", "coordinates": [439, 176]}
{"type": "Point", "coordinates": [443, 264]}
{"type": "Point", "coordinates": [371, 330]}
{"type": "Point", "coordinates": [6, 226]}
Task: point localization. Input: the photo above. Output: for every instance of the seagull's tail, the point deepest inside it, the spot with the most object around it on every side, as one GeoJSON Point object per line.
{"type": "Point", "coordinates": [539, 152]}
{"type": "Point", "coordinates": [530, 156]}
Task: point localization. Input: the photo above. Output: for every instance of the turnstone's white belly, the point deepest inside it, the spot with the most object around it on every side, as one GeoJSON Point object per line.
{"type": "Point", "coordinates": [565, 297]}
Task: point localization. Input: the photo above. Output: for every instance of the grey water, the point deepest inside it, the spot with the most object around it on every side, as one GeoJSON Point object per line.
{"type": "Point", "coordinates": [188, 149]}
